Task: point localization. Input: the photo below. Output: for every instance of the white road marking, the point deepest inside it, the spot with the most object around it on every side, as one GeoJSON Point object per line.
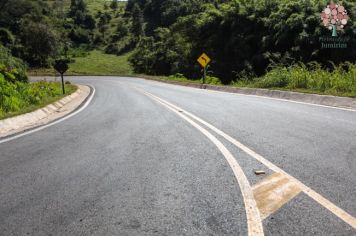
{"type": "Point", "coordinates": [286, 100]}
{"type": "Point", "coordinates": [256, 96]}
{"type": "Point", "coordinates": [53, 123]}
{"type": "Point", "coordinates": [343, 215]}
{"type": "Point", "coordinates": [254, 221]}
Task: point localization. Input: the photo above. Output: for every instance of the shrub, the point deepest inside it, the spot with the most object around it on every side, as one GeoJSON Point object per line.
{"type": "Point", "coordinates": [120, 47]}
{"type": "Point", "coordinates": [178, 76]}
{"type": "Point", "coordinates": [212, 80]}
{"type": "Point", "coordinates": [339, 81]}
{"type": "Point", "coordinates": [10, 63]}
{"type": "Point", "coordinates": [6, 37]}
{"type": "Point", "coordinates": [16, 95]}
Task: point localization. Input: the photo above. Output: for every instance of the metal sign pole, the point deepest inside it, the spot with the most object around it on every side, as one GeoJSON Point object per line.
{"type": "Point", "coordinates": [63, 90]}
{"type": "Point", "coordinates": [204, 61]}
{"type": "Point", "coordinates": [204, 75]}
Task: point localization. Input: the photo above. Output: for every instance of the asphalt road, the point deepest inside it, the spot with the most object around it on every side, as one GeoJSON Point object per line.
{"type": "Point", "coordinates": [130, 165]}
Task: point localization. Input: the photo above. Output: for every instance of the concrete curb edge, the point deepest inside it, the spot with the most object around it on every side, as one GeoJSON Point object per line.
{"type": "Point", "coordinates": [325, 100]}
{"type": "Point", "coordinates": [19, 123]}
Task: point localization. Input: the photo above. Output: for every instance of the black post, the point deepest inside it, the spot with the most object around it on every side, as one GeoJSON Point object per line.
{"type": "Point", "coordinates": [63, 90]}
{"type": "Point", "coordinates": [204, 75]}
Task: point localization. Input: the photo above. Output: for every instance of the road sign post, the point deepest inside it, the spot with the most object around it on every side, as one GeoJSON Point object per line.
{"type": "Point", "coordinates": [61, 66]}
{"type": "Point", "coordinates": [204, 60]}
{"type": "Point", "coordinates": [204, 75]}
{"type": "Point", "coordinates": [63, 89]}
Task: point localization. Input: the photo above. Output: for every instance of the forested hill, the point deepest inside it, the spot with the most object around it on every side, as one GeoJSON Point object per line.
{"type": "Point", "coordinates": [39, 31]}
{"type": "Point", "coordinates": [243, 37]}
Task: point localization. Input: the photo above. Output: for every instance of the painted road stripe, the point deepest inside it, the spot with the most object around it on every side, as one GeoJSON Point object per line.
{"type": "Point", "coordinates": [256, 96]}
{"type": "Point", "coordinates": [254, 222]}
{"type": "Point", "coordinates": [274, 192]}
{"type": "Point", "coordinates": [53, 123]}
{"type": "Point", "coordinates": [342, 214]}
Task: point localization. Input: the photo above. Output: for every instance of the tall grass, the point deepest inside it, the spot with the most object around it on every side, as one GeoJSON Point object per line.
{"type": "Point", "coordinates": [340, 81]}
{"type": "Point", "coordinates": [18, 97]}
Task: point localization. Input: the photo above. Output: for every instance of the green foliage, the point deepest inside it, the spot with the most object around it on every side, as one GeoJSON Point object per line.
{"type": "Point", "coordinates": [29, 29]}
{"type": "Point", "coordinates": [137, 28]}
{"type": "Point", "coordinates": [6, 37]}
{"type": "Point", "coordinates": [16, 95]}
{"type": "Point", "coordinates": [104, 65]}
{"type": "Point", "coordinates": [212, 80]}
{"type": "Point", "coordinates": [178, 77]}
{"type": "Point", "coordinates": [41, 49]}
{"type": "Point", "coordinates": [242, 37]}
{"type": "Point", "coordinates": [114, 5]}
{"type": "Point", "coordinates": [300, 77]}
{"type": "Point", "coordinates": [120, 47]}
{"type": "Point", "coordinates": [10, 63]}
{"type": "Point", "coordinates": [80, 36]}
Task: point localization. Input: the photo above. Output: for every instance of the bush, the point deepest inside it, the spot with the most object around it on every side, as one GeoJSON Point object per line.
{"type": "Point", "coordinates": [178, 76]}
{"type": "Point", "coordinates": [80, 36]}
{"type": "Point", "coordinates": [6, 37]}
{"type": "Point", "coordinates": [120, 47]}
{"type": "Point", "coordinates": [212, 80]}
{"type": "Point", "coordinates": [339, 81]}
{"type": "Point", "coordinates": [40, 43]}
{"type": "Point", "coordinates": [16, 95]}
{"type": "Point", "coordinates": [10, 63]}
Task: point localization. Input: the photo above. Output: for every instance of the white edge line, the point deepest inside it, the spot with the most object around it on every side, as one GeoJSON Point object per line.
{"type": "Point", "coordinates": [254, 221]}
{"type": "Point", "coordinates": [340, 213]}
{"type": "Point", "coordinates": [52, 123]}
{"type": "Point", "coordinates": [256, 96]}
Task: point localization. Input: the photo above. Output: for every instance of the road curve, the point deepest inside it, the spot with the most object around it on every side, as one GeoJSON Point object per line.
{"type": "Point", "coordinates": [129, 165]}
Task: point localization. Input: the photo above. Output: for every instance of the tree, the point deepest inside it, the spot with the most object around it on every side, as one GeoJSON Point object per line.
{"type": "Point", "coordinates": [103, 23]}
{"type": "Point", "coordinates": [6, 37]}
{"type": "Point", "coordinates": [137, 22]}
{"type": "Point", "coordinates": [40, 50]}
{"type": "Point", "coordinates": [114, 5]}
{"type": "Point", "coordinates": [75, 6]}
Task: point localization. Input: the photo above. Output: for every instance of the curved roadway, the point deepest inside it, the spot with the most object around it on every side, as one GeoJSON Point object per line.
{"type": "Point", "coordinates": [130, 165]}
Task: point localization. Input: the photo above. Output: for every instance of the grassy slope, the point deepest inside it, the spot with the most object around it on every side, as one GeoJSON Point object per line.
{"type": "Point", "coordinates": [118, 65]}
{"type": "Point", "coordinates": [69, 90]}
{"type": "Point", "coordinates": [96, 63]}
{"type": "Point", "coordinates": [104, 64]}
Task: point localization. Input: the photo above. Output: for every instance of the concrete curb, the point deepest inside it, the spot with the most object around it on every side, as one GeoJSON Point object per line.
{"type": "Point", "coordinates": [20, 123]}
{"type": "Point", "coordinates": [325, 100]}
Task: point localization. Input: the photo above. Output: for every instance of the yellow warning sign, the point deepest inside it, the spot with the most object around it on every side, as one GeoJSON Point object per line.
{"type": "Point", "coordinates": [204, 60]}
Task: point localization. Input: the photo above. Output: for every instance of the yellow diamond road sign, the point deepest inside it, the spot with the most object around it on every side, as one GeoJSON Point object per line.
{"type": "Point", "coordinates": [204, 60]}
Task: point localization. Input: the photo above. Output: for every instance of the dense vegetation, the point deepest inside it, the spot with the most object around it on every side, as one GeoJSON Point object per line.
{"type": "Point", "coordinates": [341, 81]}
{"type": "Point", "coordinates": [40, 31]}
{"type": "Point", "coordinates": [18, 97]}
{"type": "Point", "coordinates": [251, 42]}
{"type": "Point", "coordinates": [244, 37]}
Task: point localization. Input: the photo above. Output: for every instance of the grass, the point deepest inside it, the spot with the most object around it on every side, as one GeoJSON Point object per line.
{"type": "Point", "coordinates": [44, 102]}
{"type": "Point", "coordinates": [298, 78]}
{"type": "Point", "coordinates": [96, 63]}
{"type": "Point", "coordinates": [341, 81]}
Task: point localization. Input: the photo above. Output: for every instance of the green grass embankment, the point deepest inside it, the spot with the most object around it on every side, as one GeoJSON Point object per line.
{"type": "Point", "coordinates": [95, 63]}
{"type": "Point", "coordinates": [21, 98]}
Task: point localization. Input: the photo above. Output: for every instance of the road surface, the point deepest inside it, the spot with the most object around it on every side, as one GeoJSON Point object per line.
{"type": "Point", "coordinates": [147, 158]}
